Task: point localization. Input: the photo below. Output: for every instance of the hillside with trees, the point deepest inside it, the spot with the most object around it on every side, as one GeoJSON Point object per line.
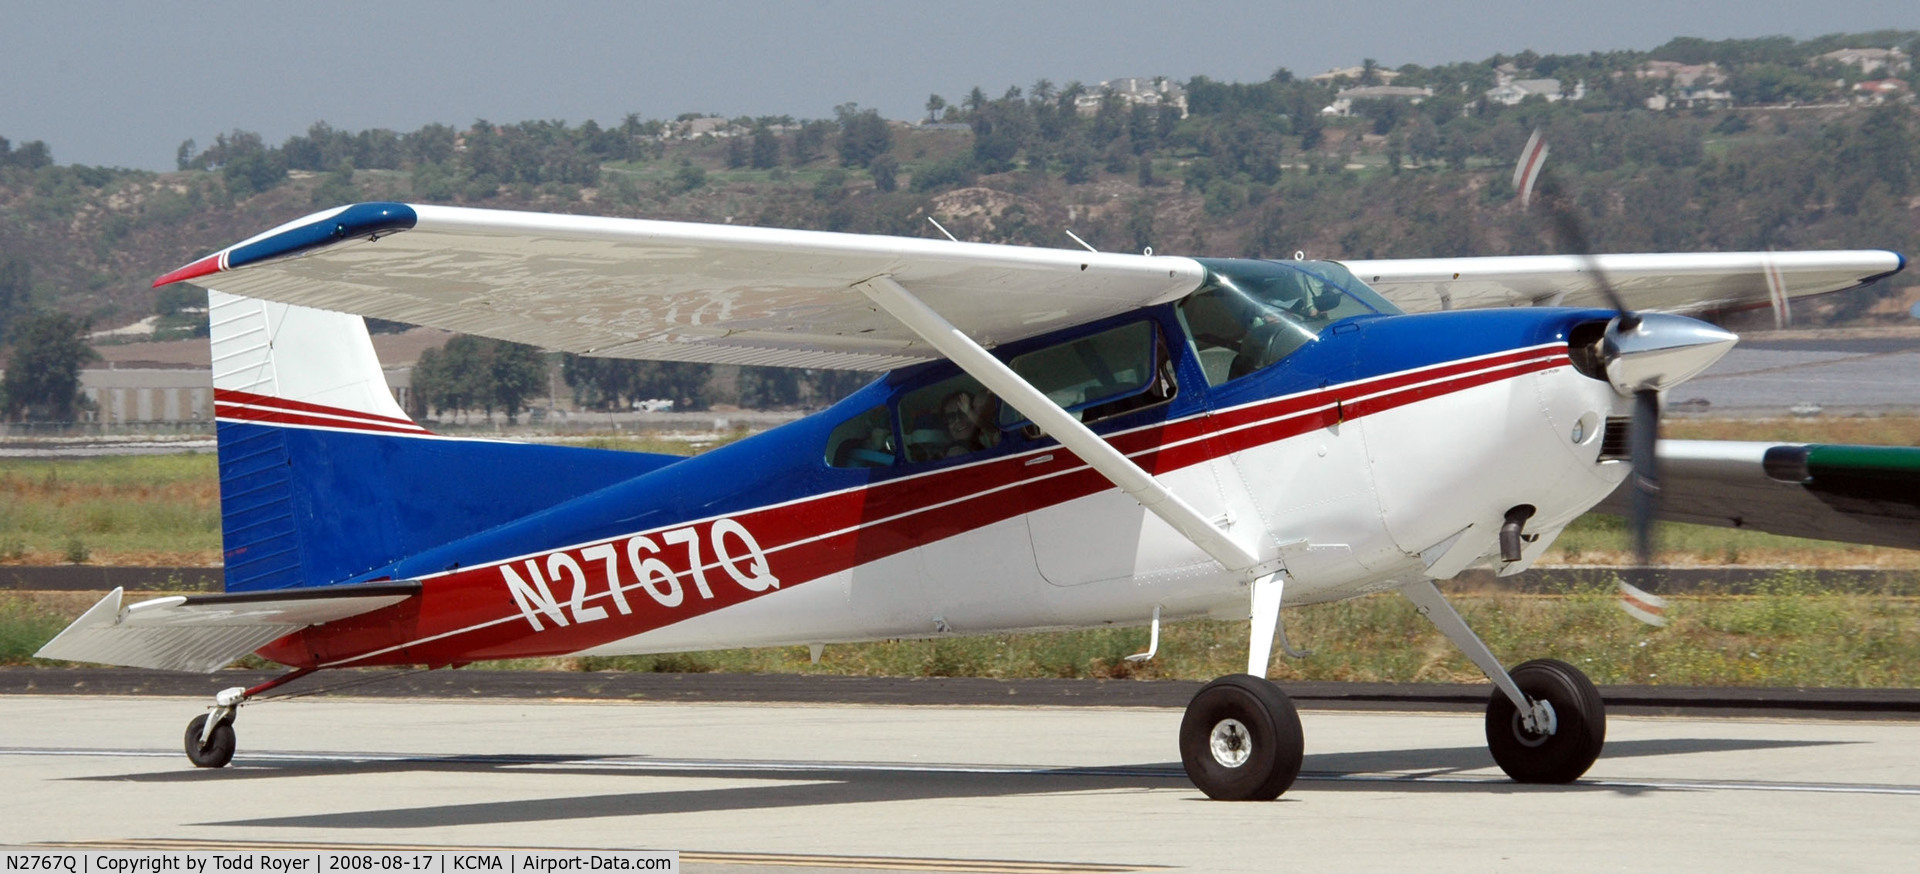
{"type": "Point", "coordinates": [1766, 143]}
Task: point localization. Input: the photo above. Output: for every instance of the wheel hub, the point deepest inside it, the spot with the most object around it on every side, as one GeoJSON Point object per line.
{"type": "Point", "coordinates": [1535, 725]}
{"type": "Point", "coordinates": [1231, 743]}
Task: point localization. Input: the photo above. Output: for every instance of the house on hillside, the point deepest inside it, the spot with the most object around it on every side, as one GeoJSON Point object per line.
{"type": "Point", "coordinates": [1342, 105]}
{"type": "Point", "coordinates": [1511, 92]}
{"type": "Point", "coordinates": [707, 126]}
{"type": "Point", "coordinates": [1686, 86]}
{"type": "Point", "coordinates": [1683, 76]}
{"type": "Point", "coordinates": [1892, 62]}
{"type": "Point", "coordinates": [1134, 91]}
{"type": "Point", "coordinates": [1353, 74]}
{"type": "Point", "coordinates": [1691, 98]}
{"type": "Point", "coordinates": [1882, 91]}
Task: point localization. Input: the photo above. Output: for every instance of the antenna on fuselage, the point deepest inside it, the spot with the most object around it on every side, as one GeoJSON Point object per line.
{"type": "Point", "coordinates": [1083, 243]}
{"type": "Point", "coordinates": [943, 230]}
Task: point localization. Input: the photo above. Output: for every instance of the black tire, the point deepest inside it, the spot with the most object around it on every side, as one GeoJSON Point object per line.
{"type": "Point", "coordinates": [219, 748]}
{"type": "Point", "coordinates": [1580, 732]}
{"type": "Point", "coordinates": [1262, 752]}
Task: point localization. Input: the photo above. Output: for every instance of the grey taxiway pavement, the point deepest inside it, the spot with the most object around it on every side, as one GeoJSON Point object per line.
{"type": "Point", "coordinates": [762, 786]}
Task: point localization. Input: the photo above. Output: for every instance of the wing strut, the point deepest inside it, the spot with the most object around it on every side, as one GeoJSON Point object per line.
{"type": "Point", "coordinates": [1057, 422]}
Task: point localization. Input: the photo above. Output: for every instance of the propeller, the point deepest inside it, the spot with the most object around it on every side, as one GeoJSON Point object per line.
{"type": "Point", "coordinates": [1642, 353]}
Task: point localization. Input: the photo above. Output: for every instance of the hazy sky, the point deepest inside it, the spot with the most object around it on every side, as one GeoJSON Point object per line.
{"type": "Point", "coordinates": [123, 83]}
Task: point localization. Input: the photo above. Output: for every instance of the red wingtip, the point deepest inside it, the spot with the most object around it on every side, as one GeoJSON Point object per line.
{"type": "Point", "coordinates": [202, 267]}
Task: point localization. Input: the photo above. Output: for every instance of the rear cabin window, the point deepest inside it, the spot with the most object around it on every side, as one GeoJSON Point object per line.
{"type": "Point", "coordinates": [865, 440]}
{"type": "Point", "coordinates": [949, 419]}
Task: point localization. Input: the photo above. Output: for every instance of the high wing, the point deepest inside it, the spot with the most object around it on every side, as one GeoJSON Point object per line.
{"type": "Point", "coordinates": [206, 632]}
{"type": "Point", "coordinates": [1679, 283]}
{"type": "Point", "coordinates": [1853, 494]}
{"type": "Point", "coordinates": [631, 288]}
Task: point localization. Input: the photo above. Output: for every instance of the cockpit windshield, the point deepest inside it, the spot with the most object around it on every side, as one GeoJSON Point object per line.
{"type": "Point", "coordinates": [1249, 314]}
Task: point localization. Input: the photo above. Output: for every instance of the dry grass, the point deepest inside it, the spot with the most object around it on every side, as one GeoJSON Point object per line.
{"type": "Point", "coordinates": [1791, 632]}
{"type": "Point", "coordinates": [1604, 540]}
{"type": "Point", "coordinates": [1874, 430]}
{"type": "Point", "coordinates": [151, 510]}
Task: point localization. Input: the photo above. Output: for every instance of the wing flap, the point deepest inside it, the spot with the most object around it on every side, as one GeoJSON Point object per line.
{"type": "Point", "coordinates": [1683, 283]}
{"type": "Point", "coordinates": [204, 633]}
{"type": "Point", "coordinates": [634, 288]}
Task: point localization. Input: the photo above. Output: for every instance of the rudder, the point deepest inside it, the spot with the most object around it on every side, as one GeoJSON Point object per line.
{"type": "Point", "coordinates": [325, 480]}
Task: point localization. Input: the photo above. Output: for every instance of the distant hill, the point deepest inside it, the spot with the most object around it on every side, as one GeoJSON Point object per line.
{"type": "Point", "coordinates": [1797, 154]}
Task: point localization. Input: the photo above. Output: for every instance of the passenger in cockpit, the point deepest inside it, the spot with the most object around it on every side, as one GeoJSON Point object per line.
{"type": "Point", "coordinates": [968, 421]}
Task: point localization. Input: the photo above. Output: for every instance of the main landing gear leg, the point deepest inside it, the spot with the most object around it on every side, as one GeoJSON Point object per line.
{"type": "Point", "coordinates": [1241, 739]}
{"type": "Point", "coordinates": [1546, 723]}
{"type": "Point", "coordinates": [210, 740]}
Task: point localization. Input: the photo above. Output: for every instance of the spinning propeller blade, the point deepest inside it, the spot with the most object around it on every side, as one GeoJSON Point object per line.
{"type": "Point", "coordinates": [1655, 364]}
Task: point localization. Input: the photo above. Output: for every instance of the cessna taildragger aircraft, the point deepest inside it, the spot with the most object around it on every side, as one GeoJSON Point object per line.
{"type": "Point", "coordinates": [1061, 439]}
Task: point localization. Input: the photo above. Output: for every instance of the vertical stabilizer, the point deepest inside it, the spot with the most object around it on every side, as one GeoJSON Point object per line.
{"type": "Point", "coordinates": [325, 480]}
{"type": "Point", "coordinates": [275, 362]}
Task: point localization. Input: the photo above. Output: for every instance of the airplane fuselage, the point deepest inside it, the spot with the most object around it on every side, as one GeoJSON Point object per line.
{"type": "Point", "coordinates": [1386, 452]}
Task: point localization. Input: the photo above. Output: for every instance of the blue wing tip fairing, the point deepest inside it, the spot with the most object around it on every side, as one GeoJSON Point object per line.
{"type": "Point", "coordinates": [370, 220]}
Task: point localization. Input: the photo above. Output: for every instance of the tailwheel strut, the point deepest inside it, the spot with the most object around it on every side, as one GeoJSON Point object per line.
{"type": "Point", "coordinates": [209, 739]}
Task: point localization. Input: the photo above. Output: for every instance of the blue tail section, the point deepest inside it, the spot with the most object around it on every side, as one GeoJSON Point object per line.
{"type": "Point", "coordinates": [315, 507]}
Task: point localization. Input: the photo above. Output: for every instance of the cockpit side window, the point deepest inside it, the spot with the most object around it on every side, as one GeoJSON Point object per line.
{"type": "Point", "coordinates": [865, 440]}
{"type": "Point", "coordinates": [1102, 375]}
{"type": "Point", "coordinates": [1094, 377]}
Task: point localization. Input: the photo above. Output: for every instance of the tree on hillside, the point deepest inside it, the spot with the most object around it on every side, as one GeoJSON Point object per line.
{"type": "Point", "coordinates": [31, 155]}
{"type": "Point", "coordinates": [863, 135]}
{"type": "Point", "coordinates": [765, 154]}
{"type": "Point", "coordinates": [16, 290]}
{"type": "Point", "coordinates": [810, 141]}
{"type": "Point", "coordinates": [885, 170]}
{"type": "Point", "coordinates": [43, 373]}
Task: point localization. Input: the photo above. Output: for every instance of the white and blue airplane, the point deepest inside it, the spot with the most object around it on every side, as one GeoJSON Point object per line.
{"type": "Point", "coordinates": [1060, 439]}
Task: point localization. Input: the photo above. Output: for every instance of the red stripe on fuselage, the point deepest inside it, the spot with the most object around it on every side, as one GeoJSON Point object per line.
{"type": "Point", "coordinates": [469, 614]}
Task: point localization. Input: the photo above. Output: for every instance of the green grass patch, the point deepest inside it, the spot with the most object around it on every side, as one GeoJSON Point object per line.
{"type": "Point", "coordinates": [1792, 632]}
{"type": "Point", "coordinates": [26, 625]}
{"type": "Point", "coordinates": [126, 509]}
{"type": "Point", "coordinates": [1600, 539]}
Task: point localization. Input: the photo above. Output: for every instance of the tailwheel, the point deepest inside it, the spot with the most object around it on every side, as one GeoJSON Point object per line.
{"type": "Point", "coordinates": [210, 749]}
{"type": "Point", "coordinates": [1567, 733]}
{"type": "Point", "coordinates": [1241, 739]}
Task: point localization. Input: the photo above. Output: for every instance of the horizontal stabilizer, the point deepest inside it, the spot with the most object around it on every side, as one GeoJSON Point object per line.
{"type": "Point", "coordinates": [1850, 494]}
{"type": "Point", "coordinates": [204, 633]}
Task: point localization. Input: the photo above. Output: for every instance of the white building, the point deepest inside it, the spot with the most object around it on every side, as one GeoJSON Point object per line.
{"type": "Point", "coordinates": [1511, 92]}
{"type": "Point", "coordinates": [1134, 91]}
{"type": "Point", "coordinates": [1342, 105]}
{"type": "Point", "coordinates": [1893, 61]}
{"type": "Point", "coordinates": [1354, 74]}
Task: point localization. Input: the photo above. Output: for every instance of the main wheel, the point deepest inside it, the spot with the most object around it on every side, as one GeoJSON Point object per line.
{"type": "Point", "coordinates": [1240, 739]}
{"type": "Point", "coordinates": [218, 750]}
{"type": "Point", "coordinates": [1579, 733]}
